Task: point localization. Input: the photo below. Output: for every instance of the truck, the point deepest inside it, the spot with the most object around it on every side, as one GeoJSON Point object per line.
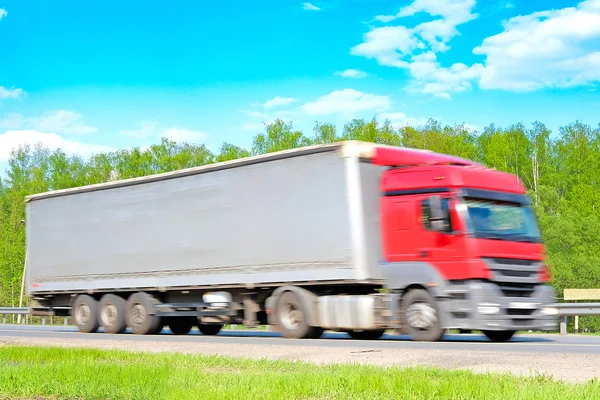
{"type": "Point", "coordinates": [353, 237]}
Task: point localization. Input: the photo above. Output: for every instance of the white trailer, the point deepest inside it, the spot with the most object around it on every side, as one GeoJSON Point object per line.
{"type": "Point", "coordinates": [303, 218]}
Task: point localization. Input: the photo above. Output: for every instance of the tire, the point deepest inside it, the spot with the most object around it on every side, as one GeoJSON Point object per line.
{"type": "Point", "coordinates": [499, 336]}
{"type": "Point", "coordinates": [180, 326]}
{"type": "Point", "coordinates": [140, 314]}
{"type": "Point", "coordinates": [85, 314]}
{"type": "Point", "coordinates": [371, 334]}
{"type": "Point", "coordinates": [209, 329]}
{"type": "Point", "coordinates": [291, 319]}
{"type": "Point", "coordinates": [111, 313]}
{"type": "Point", "coordinates": [315, 332]}
{"type": "Point", "coordinates": [420, 315]}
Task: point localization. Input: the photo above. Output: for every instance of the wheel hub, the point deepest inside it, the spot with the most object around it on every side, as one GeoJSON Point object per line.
{"type": "Point", "coordinates": [421, 316]}
{"type": "Point", "coordinates": [83, 314]}
{"type": "Point", "coordinates": [138, 314]}
{"type": "Point", "coordinates": [109, 315]}
{"type": "Point", "coordinates": [291, 317]}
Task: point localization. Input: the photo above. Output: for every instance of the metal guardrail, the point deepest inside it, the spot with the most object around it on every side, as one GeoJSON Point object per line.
{"type": "Point", "coordinates": [565, 310]}
{"type": "Point", "coordinates": [20, 312]}
{"type": "Point", "coordinates": [14, 310]}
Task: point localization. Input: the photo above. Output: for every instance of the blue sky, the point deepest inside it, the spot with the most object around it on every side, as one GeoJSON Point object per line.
{"type": "Point", "coordinates": [93, 76]}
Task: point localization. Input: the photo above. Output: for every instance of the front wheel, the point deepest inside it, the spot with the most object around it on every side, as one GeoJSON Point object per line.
{"type": "Point", "coordinates": [499, 336]}
{"type": "Point", "coordinates": [421, 316]}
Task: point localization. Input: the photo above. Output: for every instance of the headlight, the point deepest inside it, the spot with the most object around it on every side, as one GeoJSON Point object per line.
{"type": "Point", "coordinates": [550, 311]}
{"type": "Point", "coordinates": [488, 308]}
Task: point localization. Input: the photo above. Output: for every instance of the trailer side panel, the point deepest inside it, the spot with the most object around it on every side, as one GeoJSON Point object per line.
{"type": "Point", "coordinates": [279, 221]}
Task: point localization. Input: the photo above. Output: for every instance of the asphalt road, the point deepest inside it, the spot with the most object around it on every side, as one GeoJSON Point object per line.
{"type": "Point", "coordinates": [472, 342]}
{"type": "Point", "coordinates": [571, 358]}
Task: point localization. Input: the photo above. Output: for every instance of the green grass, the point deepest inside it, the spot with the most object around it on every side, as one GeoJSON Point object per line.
{"type": "Point", "coordinates": [33, 373]}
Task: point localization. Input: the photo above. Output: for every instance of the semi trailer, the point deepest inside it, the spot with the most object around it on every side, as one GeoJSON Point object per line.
{"type": "Point", "coordinates": [352, 237]}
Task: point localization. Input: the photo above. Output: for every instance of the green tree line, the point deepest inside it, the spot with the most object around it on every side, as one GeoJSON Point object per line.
{"type": "Point", "coordinates": [561, 171]}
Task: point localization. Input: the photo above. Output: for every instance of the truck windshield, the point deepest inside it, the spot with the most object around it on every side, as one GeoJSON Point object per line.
{"type": "Point", "coordinates": [502, 221]}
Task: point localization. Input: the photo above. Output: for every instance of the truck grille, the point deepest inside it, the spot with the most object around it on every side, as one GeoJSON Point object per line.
{"type": "Point", "coordinates": [516, 289]}
{"type": "Point", "coordinates": [514, 274]}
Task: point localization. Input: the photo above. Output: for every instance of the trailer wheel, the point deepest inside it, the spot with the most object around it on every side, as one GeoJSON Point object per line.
{"type": "Point", "coordinates": [140, 314]}
{"type": "Point", "coordinates": [209, 329]}
{"type": "Point", "coordinates": [85, 313]}
{"type": "Point", "coordinates": [181, 326]}
{"type": "Point", "coordinates": [421, 316]}
{"type": "Point", "coordinates": [370, 334]}
{"type": "Point", "coordinates": [291, 319]}
{"type": "Point", "coordinates": [112, 313]}
{"type": "Point", "coordinates": [499, 336]}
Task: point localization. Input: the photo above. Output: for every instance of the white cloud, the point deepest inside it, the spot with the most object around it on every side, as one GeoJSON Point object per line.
{"type": "Point", "coordinates": [146, 129]}
{"type": "Point", "coordinates": [61, 122]}
{"type": "Point", "coordinates": [12, 139]}
{"type": "Point", "coordinates": [310, 7]}
{"type": "Point", "coordinates": [557, 48]}
{"type": "Point", "coordinates": [439, 31]}
{"type": "Point", "coordinates": [346, 101]}
{"type": "Point", "coordinates": [415, 48]}
{"type": "Point", "coordinates": [3, 13]}
{"type": "Point", "coordinates": [387, 45]}
{"type": "Point", "coordinates": [184, 135]}
{"type": "Point", "coordinates": [9, 93]}
{"type": "Point", "coordinates": [278, 101]}
{"type": "Point", "coordinates": [150, 130]}
{"type": "Point", "coordinates": [509, 5]}
{"type": "Point", "coordinates": [399, 120]}
{"type": "Point", "coordinates": [352, 73]}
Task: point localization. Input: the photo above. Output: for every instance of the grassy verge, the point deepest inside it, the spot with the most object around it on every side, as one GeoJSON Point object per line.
{"type": "Point", "coordinates": [30, 372]}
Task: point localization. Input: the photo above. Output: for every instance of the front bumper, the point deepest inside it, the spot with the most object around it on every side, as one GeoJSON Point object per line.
{"type": "Point", "coordinates": [483, 306]}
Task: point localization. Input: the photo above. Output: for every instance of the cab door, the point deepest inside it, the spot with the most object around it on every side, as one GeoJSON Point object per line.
{"type": "Point", "coordinates": [445, 248]}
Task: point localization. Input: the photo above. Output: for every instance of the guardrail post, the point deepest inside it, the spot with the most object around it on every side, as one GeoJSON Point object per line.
{"type": "Point", "coordinates": [66, 321]}
{"type": "Point", "coordinates": [563, 325]}
{"type": "Point", "coordinates": [3, 319]}
{"type": "Point", "coordinates": [43, 320]}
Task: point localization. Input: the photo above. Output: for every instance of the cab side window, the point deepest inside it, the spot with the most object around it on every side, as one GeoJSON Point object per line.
{"type": "Point", "coordinates": [426, 215]}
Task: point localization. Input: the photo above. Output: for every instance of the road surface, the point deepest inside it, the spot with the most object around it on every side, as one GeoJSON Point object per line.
{"type": "Point", "coordinates": [571, 358]}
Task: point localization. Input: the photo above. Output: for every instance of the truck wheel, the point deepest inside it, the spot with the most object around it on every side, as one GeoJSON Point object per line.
{"type": "Point", "coordinates": [85, 313]}
{"type": "Point", "coordinates": [181, 326]}
{"type": "Point", "coordinates": [291, 319]}
{"type": "Point", "coordinates": [140, 314]}
{"type": "Point", "coordinates": [371, 334]}
{"type": "Point", "coordinates": [421, 316]}
{"type": "Point", "coordinates": [209, 329]}
{"type": "Point", "coordinates": [112, 314]}
{"type": "Point", "coordinates": [499, 336]}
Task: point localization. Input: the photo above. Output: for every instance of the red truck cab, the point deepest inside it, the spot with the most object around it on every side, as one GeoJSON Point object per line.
{"type": "Point", "coordinates": [469, 233]}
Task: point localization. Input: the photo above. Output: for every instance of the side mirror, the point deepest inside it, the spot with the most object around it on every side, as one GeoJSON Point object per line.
{"type": "Point", "coordinates": [439, 216]}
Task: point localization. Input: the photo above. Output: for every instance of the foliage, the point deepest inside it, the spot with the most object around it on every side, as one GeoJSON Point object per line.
{"type": "Point", "coordinates": [561, 172]}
